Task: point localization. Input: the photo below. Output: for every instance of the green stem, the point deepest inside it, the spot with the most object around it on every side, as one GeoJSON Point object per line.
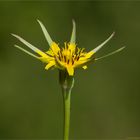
{"type": "Point", "coordinates": [66, 99]}
{"type": "Point", "coordinates": [67, 83]}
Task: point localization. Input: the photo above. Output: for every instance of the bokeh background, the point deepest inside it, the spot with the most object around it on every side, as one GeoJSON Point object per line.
{"type": "Point", "coordinates": [106, 97]}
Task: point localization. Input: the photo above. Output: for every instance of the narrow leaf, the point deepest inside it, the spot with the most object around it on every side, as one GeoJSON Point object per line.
{"type": "Point", "coordinates": [114, 52]}
{"type": "Point", "coordinates": [26, 43]}
{"type": "Point", "coordinates": [27, 52]}
{"type": "Point", "coordinates": [47, 36]}
{"type": "Point", "coordinates": [101, 45]}
{"type": "Point", "coordinates": [73, 35]}
{"type": "Point", "coordinates": [29, 45]}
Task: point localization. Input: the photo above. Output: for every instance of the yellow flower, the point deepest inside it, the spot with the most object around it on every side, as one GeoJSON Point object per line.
{"type": "Point", "coordinates": [68, 57]}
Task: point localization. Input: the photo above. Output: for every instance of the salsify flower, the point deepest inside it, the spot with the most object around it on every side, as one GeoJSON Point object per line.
{"type": "Point", "coordinates": [66, 58]}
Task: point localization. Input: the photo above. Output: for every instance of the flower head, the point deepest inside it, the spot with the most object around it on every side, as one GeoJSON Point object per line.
{"type": "Point", "coordinates": [68, 57]}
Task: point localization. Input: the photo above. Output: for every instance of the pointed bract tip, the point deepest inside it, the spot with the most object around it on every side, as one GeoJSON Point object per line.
{"type": "Point", "coordinates": [121, 48]}
{"type": "Point", "coordinates": [13, 34]}
{"type": "Point", "coordinates": [16, 36]}
{"type": "Point", "coordinates": [102, 44]}
{"type": "Point", "coordinates": [38, 20]}
{"type": "Point", "coordinates": [113, 33]}
{"type": "Point", "coordinates": [73, 21]}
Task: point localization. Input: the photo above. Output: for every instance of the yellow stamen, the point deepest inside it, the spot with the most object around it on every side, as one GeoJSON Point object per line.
{"type": "Point", "coordinates": [69, 57]}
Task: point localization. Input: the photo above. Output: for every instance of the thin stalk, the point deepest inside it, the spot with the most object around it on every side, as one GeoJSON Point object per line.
{"type": "Point", "coordinates": [67, 83]}
{"type": "Point", "coordinates": [66, 101]}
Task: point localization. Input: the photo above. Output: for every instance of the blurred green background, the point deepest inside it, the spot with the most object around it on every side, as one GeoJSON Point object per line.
{"type": "Point", "coordinates": [106, 97]}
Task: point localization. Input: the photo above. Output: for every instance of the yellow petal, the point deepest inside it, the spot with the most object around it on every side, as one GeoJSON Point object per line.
{"type": "Point", "coordinates": [50, 64]}
{"type": "Point", "coordinates": [71, 46]}
{"type": "Point", "coordinates": [84, 67]}
{"type": "Point", "coordinates": [89, 54]}
{"type": "Point", "coordinates": [46, 59]}
{"type": "Point", "coordinates": [55, 48]}
{"type": "Point", "coordinates": [50, 52]}
{"type": "Point", "coordinates": [80, 62]}
{"type": "Point", "coordinates": [41, 53]}
{"type": "Point", "coordinates": [70, 70]}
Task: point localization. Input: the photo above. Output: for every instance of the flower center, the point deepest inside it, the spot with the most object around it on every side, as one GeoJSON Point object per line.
{"type": "Point", "coordinates": [69, 54]}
